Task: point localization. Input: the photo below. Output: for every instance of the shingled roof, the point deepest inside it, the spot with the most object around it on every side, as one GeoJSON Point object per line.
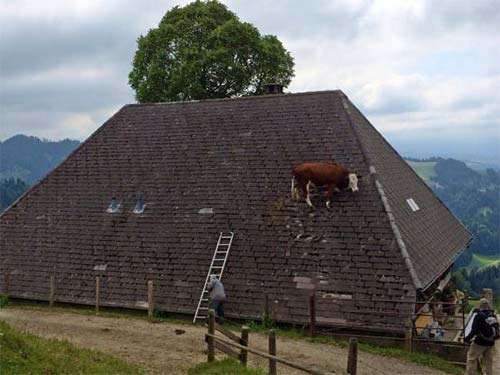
{"type": "Point", "coordinates": [218, 165]}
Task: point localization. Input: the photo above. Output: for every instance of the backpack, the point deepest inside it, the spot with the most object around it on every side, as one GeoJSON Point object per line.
{"type": "Point", "coordinates": [492, 327]}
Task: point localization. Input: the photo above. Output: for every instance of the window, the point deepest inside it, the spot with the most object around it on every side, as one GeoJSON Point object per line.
{"type": "Point", "coordinates": [412, 204]}
{"type": "Point", "coordinates": [114, 206]}
{"type": "Point", "coordinates": [139, 205]}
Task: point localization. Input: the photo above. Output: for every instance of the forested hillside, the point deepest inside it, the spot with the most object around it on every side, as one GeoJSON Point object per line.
{"type": "Point", "coordinates": [474, 197]}
{"type": "Point", "coordinates": [30, 158]}
{"type": "Point", "coordinates": [24, 160]}
{"type": "Point", "coordinates": [10, 190]}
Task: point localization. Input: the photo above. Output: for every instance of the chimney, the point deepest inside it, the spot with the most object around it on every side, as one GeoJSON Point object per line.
{"type": "Point", "coordinates": [273, 88]}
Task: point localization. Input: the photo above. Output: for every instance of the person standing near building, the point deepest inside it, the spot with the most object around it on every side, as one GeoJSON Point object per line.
{"type": "Point", "coordinates": [484, 332]}
{"type": "Point", "coordinates": [217, 297]}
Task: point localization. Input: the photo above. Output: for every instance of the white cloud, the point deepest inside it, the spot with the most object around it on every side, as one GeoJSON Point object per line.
{"type": "Point", "coordinates": [411, 66]}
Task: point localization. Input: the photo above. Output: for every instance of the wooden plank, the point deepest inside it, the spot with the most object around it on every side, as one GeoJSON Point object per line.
{"type": "Point", "coordinates": [280, 360]}
{"type": "Point", "coordinates": [312, 314]}
{"type": "Point", "coordinates": [226, 332]}
{"type": "Point", "coordinates": [97, 293]}
{"type": "Point", "coordinates": [226, 349]}
{"type": "Point", "coordinates": [151, 302]}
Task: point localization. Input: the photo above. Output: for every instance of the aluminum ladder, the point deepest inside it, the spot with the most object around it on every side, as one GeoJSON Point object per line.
{"type": "Point", "coordinates": [216, 268]}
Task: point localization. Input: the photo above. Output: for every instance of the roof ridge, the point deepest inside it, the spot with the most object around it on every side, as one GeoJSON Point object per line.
{"type": "Point", "coordinates": [250, 97]}
{"type": "Point", "coordinates": [380, 189]}
{"type": "Point", "coordinates": [427, 187]}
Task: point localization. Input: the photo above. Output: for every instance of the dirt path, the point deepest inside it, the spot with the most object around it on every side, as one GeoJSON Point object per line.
{"type": "Point", "coordinates": [161, 351]}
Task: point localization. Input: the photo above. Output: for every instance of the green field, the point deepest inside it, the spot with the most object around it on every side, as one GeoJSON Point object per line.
{"type": "Point", "coordinates": [424, 169]}
{"type": "Point", "coordinates": [479, 261]}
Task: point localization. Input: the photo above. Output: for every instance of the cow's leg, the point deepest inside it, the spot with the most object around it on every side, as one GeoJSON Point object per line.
{"type": "Point", "coordinates": [308, 196]}
{"type": "Point", "coordinates": [329, 193]}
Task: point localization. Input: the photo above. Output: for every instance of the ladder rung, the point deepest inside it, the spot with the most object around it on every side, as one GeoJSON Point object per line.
{"type": "Point", "coordinates": [220, 255]}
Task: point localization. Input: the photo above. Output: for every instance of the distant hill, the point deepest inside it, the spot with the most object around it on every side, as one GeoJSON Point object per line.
{"type": "Point", "coordinates": [10, 190]}
{"type": "Point", "coordinates": [30, 158]}
{"type": "Point", "coordinates": [473, 196]}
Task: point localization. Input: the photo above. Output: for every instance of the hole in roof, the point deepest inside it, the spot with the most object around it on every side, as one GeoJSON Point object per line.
{"type": "Point", "coordinates": [114, 206]}
{"type": "Point", "coordinates": [139, 205]}
{"type": "Point", "coordinates": [413, 205]}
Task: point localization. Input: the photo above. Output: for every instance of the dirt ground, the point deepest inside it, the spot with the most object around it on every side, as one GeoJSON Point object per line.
{"type": "Point", "coordinates": [160, 350]}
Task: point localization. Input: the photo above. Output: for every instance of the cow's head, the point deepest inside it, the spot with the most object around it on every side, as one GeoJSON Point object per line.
{"type": "Point", "coordinates": [353, 182]}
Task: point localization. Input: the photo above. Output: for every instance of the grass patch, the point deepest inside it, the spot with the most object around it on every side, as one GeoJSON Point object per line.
{"type": "Point", "coordinates": [256, 327]}
{"type": "Point", "coordinates": [227, 366]}
{"type": "Point", "coordinates": [423, 359]}
{"type": "Point", "coordinates": [425, 169]}
{"type": "Point", "coordinates": [23, 353]}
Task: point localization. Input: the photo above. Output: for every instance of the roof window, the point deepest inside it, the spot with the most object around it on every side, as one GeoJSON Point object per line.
{"type": "Point", "coordinates": [114, 206]}
{"type": "Point", "coordinates": [412, 204]}
{"type": "Point", "coordinates": [139, 205]}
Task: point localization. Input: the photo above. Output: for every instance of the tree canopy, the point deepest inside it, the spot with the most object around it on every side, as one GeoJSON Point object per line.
{"type": "Point", "coordinates": [203, 51]}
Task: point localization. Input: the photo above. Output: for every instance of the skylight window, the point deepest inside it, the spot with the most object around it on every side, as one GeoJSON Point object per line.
{"type": "Point", "coordinates": [114, 206]}
{"type": "Point", "coordinates": [139, 205]}
{"type": "Point", "coordinates": [412, 204]}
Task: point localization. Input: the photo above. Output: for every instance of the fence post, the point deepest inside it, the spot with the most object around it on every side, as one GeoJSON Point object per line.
{"type": "Point", "coordinates": [151, 301]}
{"type": "Point", "coordinates": [97, 293]}
{"type": "Point", "coordinates": [352, 359]}
{"type": "Point", "coordinates": [6, 279]}
{"type": "Point", "coordinates": [244, 342]}
{"type": "Point", "coordinates": [409, 336]}
{"type": "Point", "coordinates": [272, 351]}
{"type": "Point", "coordinates": [52, 290]}
{"type": "Point", "coordinates": [211, 331]}
{"type": "Point", "coordinates": [312, 314]}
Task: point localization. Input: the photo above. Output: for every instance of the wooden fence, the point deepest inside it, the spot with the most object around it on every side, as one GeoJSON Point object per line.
{"type": "Point", "coordinates": [237, 347]}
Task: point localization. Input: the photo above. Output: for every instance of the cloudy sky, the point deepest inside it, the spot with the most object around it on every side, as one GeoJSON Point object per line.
{"type": "Point", "coordinates": [426, 73]}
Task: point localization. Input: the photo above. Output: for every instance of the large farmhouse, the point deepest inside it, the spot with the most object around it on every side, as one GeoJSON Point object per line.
{"type": "Point", "coordinates": [146, 196]}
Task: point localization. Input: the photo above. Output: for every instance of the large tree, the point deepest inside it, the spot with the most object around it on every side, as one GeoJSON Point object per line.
{"type": "Point", "coordinates": [202, 51]}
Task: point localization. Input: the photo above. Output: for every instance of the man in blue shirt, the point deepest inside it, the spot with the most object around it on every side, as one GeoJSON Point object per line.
{"type": "Point", "coordinates": [484, 332]}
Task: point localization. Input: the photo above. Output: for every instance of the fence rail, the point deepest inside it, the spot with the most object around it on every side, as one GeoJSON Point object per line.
{"type": "Point", "coordinates": [231, 341]}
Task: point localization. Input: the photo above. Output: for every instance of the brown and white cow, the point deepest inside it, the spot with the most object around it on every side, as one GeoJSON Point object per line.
{"type": "Point", "coordinates": [332, 175]}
